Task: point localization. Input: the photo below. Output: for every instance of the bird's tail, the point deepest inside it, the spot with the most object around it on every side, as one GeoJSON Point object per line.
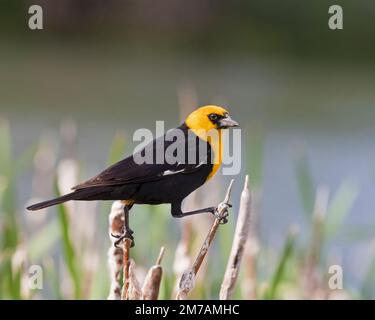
{"type": "Point", "coordinates": [80, 194]}
{"type": "Point", "coordinates": [52, 202]}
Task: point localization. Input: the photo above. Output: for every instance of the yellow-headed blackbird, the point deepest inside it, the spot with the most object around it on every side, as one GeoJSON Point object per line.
{"type": "Point", "coordinates": [165, 182]}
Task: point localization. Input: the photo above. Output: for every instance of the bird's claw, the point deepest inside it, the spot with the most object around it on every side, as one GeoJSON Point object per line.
{"type": "Point", "coordinates": [128, 234]}
{"type": "Point", "coordinates": [221, 212]}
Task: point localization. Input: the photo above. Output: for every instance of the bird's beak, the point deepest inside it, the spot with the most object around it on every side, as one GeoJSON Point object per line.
{"type": "Point", "coordinates": [227, 122]}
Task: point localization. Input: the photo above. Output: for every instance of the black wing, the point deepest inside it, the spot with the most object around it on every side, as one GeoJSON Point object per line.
{"type": "Point", "coordinates": [129, 170]}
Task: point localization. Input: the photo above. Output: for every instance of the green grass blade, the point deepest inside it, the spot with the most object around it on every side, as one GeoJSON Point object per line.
{"type": "Point", "coordinates": [70, 256]}
{"type": "Point", "coordinates": [281, 266]}
{"type": "Point", "coordinates": [340, 206]}
{"type": "Point", "coordinates": [305, 184]}
{"type": "Point", "coordinates": [357, 233]}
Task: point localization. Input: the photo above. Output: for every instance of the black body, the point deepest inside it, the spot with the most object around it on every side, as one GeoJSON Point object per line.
{"type": "Point", "coordinates": [148, 183]}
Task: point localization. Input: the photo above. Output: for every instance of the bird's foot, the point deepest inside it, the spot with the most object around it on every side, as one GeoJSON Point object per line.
{"type": "Point", "coordinates": [221, 212]}
{"type": "Point", "coordinates": [128, 234]}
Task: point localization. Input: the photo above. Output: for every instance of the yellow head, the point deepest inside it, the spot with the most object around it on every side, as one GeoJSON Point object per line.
{"type": "Point", "coordinates": [207, 122]}
{"type": "Point", "coordinates": [208, 118]}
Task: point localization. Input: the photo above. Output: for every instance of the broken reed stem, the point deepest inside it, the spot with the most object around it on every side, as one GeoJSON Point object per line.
{"type": "Point", "coordinates": [187, 280]}
{"type": "Point", "coordinates": [238, 246]}
{"type": "Point", "coordinates": [211, 234]}
{"type": "Point", "coordinates": [161, 255]}
{"type": "Point", "coordinates": [151, 285]}
{"type": "Point", "coordinates": [126, 265]}
{"type": "Point", "coordinates": [206, 244]}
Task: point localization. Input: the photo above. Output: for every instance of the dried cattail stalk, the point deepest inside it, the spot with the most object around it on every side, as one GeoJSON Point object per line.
{"type": "Point", "coordinates": [187, 284]}
{"type": "Point", "coordinates": [126, 266]}
{"type": "Point", "coordinates": [200, 225]}
{"type": "Point", "coordinates": [115, 267]}
{"type": "Point", "coordinates": [115, 255]}
{"type": "Point", "coordinates": [151, 285]}
{"type": "Point", "coordinates": [133, 288]}
{"type": "Point", "coordinates": [188, 277]}
{"type": "Point", "coordinates": [252, 247]}
{"type": "Point", "coordinates": [238, 246]}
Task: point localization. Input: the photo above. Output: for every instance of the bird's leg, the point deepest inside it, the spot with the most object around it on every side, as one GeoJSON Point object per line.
{"type": "Point", "coordinates": [180, 214]}
{"type": "Point", "coordinates": [216, 211]}
{"type": "Point", "coordinates": [127, 233]}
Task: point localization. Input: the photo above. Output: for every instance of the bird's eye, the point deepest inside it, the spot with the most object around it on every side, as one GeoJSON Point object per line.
{"type": "Point", "coordinates": [213, 116]}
